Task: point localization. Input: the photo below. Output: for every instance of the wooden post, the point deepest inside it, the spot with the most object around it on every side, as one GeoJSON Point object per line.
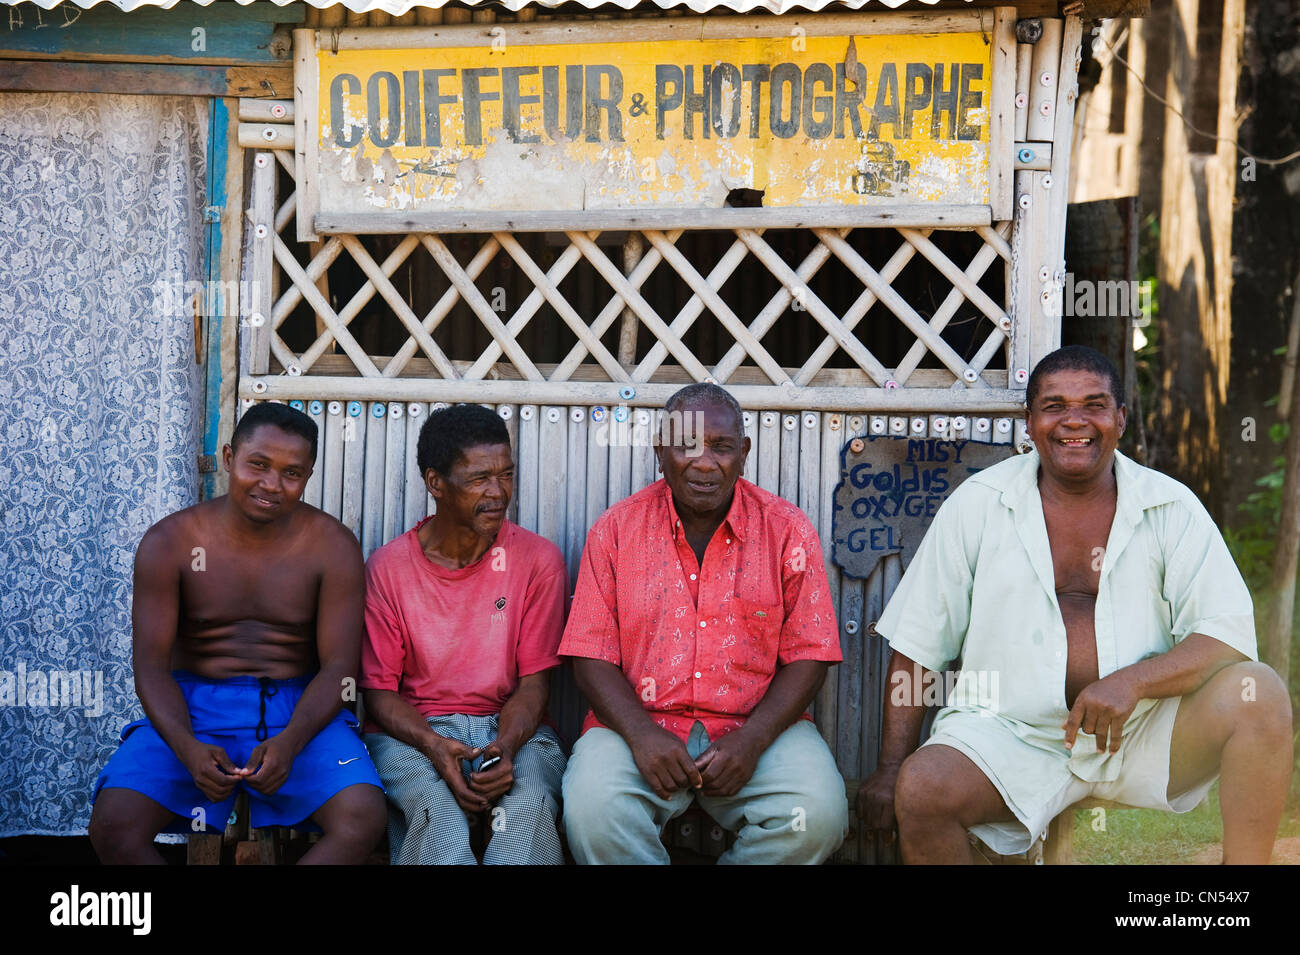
{"type": "Point", "coordinates": [329, 18]}
{"type": "Point", "coordinates": [261, 240]}
{"type": "Point", "coordinates": [1024, 67]}
{"type": "Point", "coordinates": [372, 505]}
{"type": "Point", "coordinates": [1059, 846]}
{"type": "Point", "coordinates": [415, 495]}
{"type": "Point", "coordinates": [232, 233]}
{"type": "Point", "coordinates": [306, 80]}
{"type": "Point", "coordinates": [633, 249]}
{"type": "Point", "coordinates": [354, 460]}
{"type": "Point", "coordinates": [396, 462]}
{"type": "Point", "coordinates": [1002, 118]}
{"type": "Point", "coordinates": [203, 848]}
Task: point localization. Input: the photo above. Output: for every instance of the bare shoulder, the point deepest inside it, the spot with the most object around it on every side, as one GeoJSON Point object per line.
{"type": "Point", "coordinates": [175, 535]}
{"type": "Point", "coordinates": [327, 533]}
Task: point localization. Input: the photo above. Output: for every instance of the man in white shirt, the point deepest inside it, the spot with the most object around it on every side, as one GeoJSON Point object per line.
{"type": "Point", "coordinates": [1098, 598]}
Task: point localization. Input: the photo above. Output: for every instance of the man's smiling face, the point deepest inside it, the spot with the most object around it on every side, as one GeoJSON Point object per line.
{"type": "Point", "coordinates": [268, 472]}
{"type": "Point", "coordinates": [1075, 424]}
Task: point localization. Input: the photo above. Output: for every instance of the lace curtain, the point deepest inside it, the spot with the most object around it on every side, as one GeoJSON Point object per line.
{"type": "Point", "coordinates": [101, 200]}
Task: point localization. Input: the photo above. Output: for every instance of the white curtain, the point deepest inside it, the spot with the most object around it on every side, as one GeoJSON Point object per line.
{"type": "Point", "coordinates": [101, 200]}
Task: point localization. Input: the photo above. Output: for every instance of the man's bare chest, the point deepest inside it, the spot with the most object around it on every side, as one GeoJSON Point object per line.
{"type": "Point", "coordinates": [1077, 538]}
{"type": "Point", "coordinates": [223, 583]}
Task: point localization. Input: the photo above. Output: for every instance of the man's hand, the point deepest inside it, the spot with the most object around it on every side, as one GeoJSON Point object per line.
{"type": "Point", "coordinates": [268, 765]}
{"type": "Point", "coordinates": [446, 756]}
{"type": "Point", "coordinates": [1101, 708]}
{"type": "Point", "coordinates": [213, 771]}
{"type": "Point", "coordinates": [498, 780]}
{"type": "Point", "coordinates": [664, 762]}
{"type": "Point", "coordinates": [876, 803]}
{"type": "Point", "coordinates": [728, 764]}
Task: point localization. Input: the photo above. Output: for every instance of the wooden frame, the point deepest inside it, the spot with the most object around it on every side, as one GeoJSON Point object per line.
{"type": "Point", "coordinates": [306, 140]}
{"type": "Point", "coordinates": [1002, 113]}
{"type": "Point", "coordinates": [618, 220]}
{"type": "Point", "coordinates": [973, 20]}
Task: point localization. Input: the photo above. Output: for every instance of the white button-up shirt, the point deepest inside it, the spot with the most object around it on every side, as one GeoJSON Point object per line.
{"type": "Point", "coordinates": [981, 589]}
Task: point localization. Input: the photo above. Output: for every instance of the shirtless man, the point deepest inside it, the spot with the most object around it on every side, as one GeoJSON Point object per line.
{"type": "Point", "coordinates": [1098, 597]}
{"type": "Point", "coordinates": [246, 620]}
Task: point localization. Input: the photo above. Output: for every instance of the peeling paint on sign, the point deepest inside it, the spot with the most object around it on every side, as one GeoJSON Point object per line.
{"type": "Point", "coordinates": [843, 121]}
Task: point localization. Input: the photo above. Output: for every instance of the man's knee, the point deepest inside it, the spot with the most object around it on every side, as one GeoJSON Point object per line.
{"type": "Point", "coordinates": [600, 816]}
{"type": "Point", "coordinates": [357, 814]}
{"type": "Point", "coordinates": [1251, 696]}
{"type": "Point", "coordinates": [822, 815]}
{"type": "Point", "coordinates": [927, 788]}
{"type": "Point", "coordinates": [587, 799]}
{"type": "Point", "coordinates": [115, 829]}
{"type": "Point", "coordinates": [414, 796]}
{"type": "Point", "coordinates": [531, 802]}
{"type": "Point", "coordinates": [591, 784]}
{"type": "Point", "coordinates": [109, 830]}
{"type": "Point", "coordinates": [1259, 683]}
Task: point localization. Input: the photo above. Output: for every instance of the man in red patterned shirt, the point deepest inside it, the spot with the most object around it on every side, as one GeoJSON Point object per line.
{"type": "Point", "coordinates": [701, 629]}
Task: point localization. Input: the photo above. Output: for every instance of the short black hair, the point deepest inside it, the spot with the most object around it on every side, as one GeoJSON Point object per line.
{"type": "Point", "coordinates": [1075, 358]}
{"type": "Point", "coordinates": [711, 396]}
{"type": "Point", "coordinates": [281, 416]}
{"type": "Point", "coordinates": [447, 434]}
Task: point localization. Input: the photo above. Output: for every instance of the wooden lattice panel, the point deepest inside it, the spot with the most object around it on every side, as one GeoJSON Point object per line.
{"type": "Point", "coordinates": [274, 264]}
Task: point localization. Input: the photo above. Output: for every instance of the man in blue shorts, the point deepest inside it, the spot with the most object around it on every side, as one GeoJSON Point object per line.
{"type": "Point", "coordinates": [247, 621]}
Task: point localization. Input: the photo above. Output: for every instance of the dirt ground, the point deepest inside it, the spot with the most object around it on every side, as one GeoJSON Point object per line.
{"type": "Point", "coordinates": [1286, 851]}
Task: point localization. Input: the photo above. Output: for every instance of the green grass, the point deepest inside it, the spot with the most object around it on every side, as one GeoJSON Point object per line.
{"type": "Point", "coordinates": [1151, 837]}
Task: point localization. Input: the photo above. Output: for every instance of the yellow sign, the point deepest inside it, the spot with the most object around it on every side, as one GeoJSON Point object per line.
{"type": "Point", "coordinates": [805, 120]}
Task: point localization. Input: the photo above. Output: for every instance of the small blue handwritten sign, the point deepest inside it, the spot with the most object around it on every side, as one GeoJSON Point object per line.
{"type": "Point", "coordinates": [890, 491]}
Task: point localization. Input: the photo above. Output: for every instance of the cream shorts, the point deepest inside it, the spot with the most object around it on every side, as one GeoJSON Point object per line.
{"type": "Point", "coordinates": [1143, 783]}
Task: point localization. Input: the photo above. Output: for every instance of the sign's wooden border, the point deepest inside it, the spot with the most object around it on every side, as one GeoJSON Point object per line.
{"type": "Point", "coordinates": [997, 23]}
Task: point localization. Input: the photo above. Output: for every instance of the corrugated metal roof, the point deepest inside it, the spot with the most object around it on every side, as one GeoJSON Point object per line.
{"type": "Point", "coordinates": [398, 7]}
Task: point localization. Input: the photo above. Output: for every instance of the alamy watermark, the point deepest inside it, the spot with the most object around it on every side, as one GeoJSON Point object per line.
{"type": "Point", "coordinates": [53, 688]}
{"type": "Point", "coordinates": [176, 297]}
{"type": "Point", "coordinates": [76, 908]}
{"type": "Point", "coordinates": [973, 688]}
{"type": "Point", "coordinates": [1068, 297]}
{"type": "Point", "coordinates": [649, 429]}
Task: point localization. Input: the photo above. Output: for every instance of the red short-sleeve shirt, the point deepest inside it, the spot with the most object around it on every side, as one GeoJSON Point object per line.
{"type": "Point", "coordinates": [457, 641]}
{"type": "Point", "coordinates": [701, 643]}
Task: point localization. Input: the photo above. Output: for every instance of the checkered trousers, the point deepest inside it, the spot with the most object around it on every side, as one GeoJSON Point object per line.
{"type": "Point", "coordinates": [426, 826]}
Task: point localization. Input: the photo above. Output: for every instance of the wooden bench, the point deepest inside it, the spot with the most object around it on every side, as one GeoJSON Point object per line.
{"type": "Point", "coordinates": [1057, 846]}
{"type": "Point", "coordinates": [692, 838]}
{"type": "Point", "coordinates": [695, 837]}
{"type": "Point", "coordinates": [240, 844]}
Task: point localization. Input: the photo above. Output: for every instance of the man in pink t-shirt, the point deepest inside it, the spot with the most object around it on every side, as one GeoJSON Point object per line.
{"type": "Point", "coordinates": [463, 620]}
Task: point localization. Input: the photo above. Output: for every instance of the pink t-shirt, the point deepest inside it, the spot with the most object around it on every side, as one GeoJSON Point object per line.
{"type": "Point", "coordinates": [457, 641]}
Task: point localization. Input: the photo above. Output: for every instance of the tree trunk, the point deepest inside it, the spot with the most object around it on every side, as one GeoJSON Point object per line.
{"type": "Point", "coordinates": [1189, 425]}
{"type": "Point", "coordinates": [1276, 645]}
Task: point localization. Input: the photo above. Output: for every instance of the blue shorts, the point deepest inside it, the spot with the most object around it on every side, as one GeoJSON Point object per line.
{"type": "Point", "coordinates": [233, 714]}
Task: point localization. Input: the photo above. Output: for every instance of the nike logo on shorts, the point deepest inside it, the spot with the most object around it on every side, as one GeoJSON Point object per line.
{"type": "Point", "coordinates": [344, 762]}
